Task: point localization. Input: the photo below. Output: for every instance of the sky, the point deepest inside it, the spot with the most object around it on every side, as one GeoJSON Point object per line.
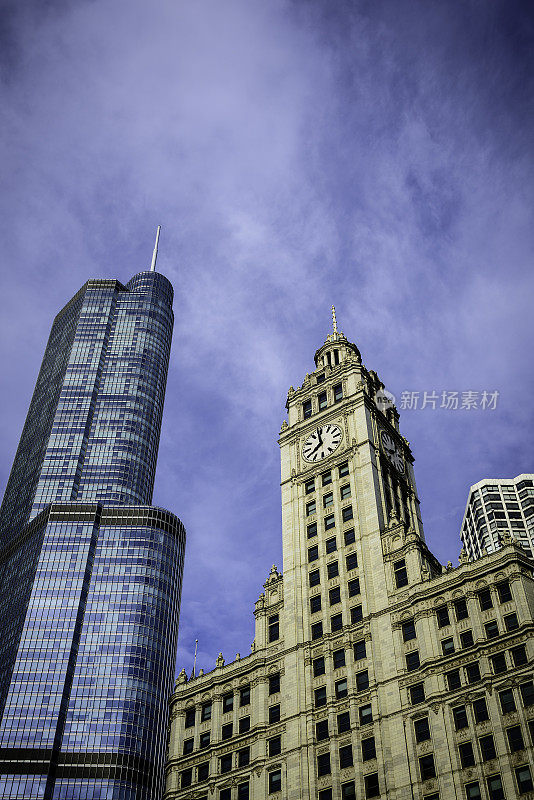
{"type": "Point", "coordinates": [297, 153]}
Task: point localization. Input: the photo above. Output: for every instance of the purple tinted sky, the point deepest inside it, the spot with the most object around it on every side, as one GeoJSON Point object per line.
{"type": "Point", "coordinates": [297, 154]}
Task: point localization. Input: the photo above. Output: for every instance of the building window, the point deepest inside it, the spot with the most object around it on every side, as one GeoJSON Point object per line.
{"type": "Point", "coordinates": [225, 763]}
{"type": "Point", "coordinates": [328, 500]}
{"type": "Point", "coordinates": [275, 746]}
{"type": "Point", "coordinates": [311, 508]}
{"type": "Point", "coordinates": [453, 679]}
{"type": "Point", "coordinates": [360, 650]}
{"type": "Point", "coordinates": [228, 703]}
{"type": "Point", "coordinates": [227, 731]}
{"type": "Point", "coordinates": [412, 660]}
{"type": "Point", "coordinates": [527, 693]}
{"type": "Point", "coordinates": [349, 536]}
{"type": "Point", "coordinates": [203, 771]}
{"type": "Point", "coordinates": [311, 530]}
{"type": "Point", "coordinates": [354, 587]}
{"type": "Point", "coordinates": [511, 622]}
{"type": "Point", "coordinates": [204, 739]}
{"type": "Point", "coordinates": [332, 570]}
{"type": "Point", "coordinates": [524, 779]}
{"type": "Point", "coordinates": [313, 553]}
{"type": "Point", "coordinates": [315, 604]}
{"type": "Point", "coordinates": [345, 491]}
{"type": "Point", "coordinates": [459, 714]}
{"type": "Point", "coordinates": [484, 599]}
{"type": "Point", "coordinates": [401, 575]}
{"type": "Point", "coordinates": [315, 578]}
{"type": "Point", "coordinates": [336, 622]}
{"type": "Point", "coordinates": [519, 655]}
{"type": "Point", "coordinates": [243, 757]}
{"type": "Point", "coordinates": [498, 663]}
{"type": "Point", "coordinates": [481, 710]}
{"type": "Point", "coordinates": [426, 767]}
{"type": "Point", "coordinates": [345, 757]}
{"type": "Point", "coordinates": [320, 696]}
{"type": "Point", "coordinates": [331, 545]}
{"type": "Point", "coordinates": [460, 609]}
{"type": "Point", "coordinates": [321, 730]}
{"type": "Point", "coordinates": [323, 764]}
{"type": "Point", "coordinates": [348, 791]}
{"type": "Point", "coordinates": [186, 778]}
{"type": "Point", "coordinates": [244, 696]}
{"type": "Point", "coordinates": [309, 486]}
{"type": "Point", "coordinates": [243, 792]}
{"type": "Point", "coordinates": [205, 713]}
{"type": "Point", "coordinates": [365, 714]}
{"type": "Point", "coordinates": [472, 791]}
{"type": "Point", "coordinates": [188, 746]}
{"type": "Point", "coordinates": [274, 714]}
{"type": "Point", "coordinates": [356, 614]}
{"type": "Point", "coordinates": [318, 666]}
{"type": "Point", "coordinates": [421, 729]}
{"type": "Point", "coordinates": [341, 688]}
{"type": "Point", "coordinates": [491, 629]}
{"type": "Point", "coordinates": [316, 630]}
{"type": "Point", "coordinates": [442, 615]}
{"type": "Point", "coordinates": [275, 781]}
{"type": "Point", "coordinates": [504, 592]}
{"type": "Point", "coordinates": [225, 794]}
{"type": "Point", "coordinates": [507, 701]}
{"type": "Point", "coordinates": [347, 514]}
{"type": "Point", "coordinates": [325, 794]}
{"type": "Point", "coordinates": [408, 630]}
{"type": "Point", "coordinates": [343, 469]}
{"type": "Point", "coordinates": [447, 646]}
{"type": "Point", "coordinates": [190, 717]}
{"type": "Point", "coordinates": [495, 790]}
{"type": "Point", "coordinates": [515, 738]}
{"type": "Point", "coordinates": [329, 522]}
{"type": "Point", "coordinates": [326, 478]}
{"type": "Point", "coordinates": [335, 595]}
{"type": "Point", "coordinates": [338, 658]}
{"type": "Point", "coordinates": [362, 680]}
{"type": "Point", "coordinates": [338, 392]}
{"type": "Point", "coordinates": [487, 747]}
{"type": "Point", "coordinates": [473, 672]}
{"type": "Point", "coordinates": [322, 401]}
{"type": "Point", "coordinates": [467, 756]}
{"type": "Point", "coordinates": [352, 561]}
{"type": "Point", "coordinates": [343, 722]}
{"type": "Point", "coordinates": [274, 630]}
{"type": "Point", "coordinates": [466, 639]}
{"type": "Point", "coordinates": [372, 786]}
{"type": "Point", "coordinates": [417, 693]}
{"type": "Point", "coordinates": [307, 409]}
{"type": "Point", "coordinates": [274, 683]}
{"type": "Point", "coordinates": [244, 724]}
{"type": "Point", "coordinates": [320, 378]}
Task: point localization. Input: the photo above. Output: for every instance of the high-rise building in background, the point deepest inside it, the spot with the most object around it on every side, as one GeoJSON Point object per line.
{"type": "Point", "coordinates": [90, 572]}
{"type": "Point", "coordinates": [374, 671]}
{"type": "Point", "coordinates": [495, 506]}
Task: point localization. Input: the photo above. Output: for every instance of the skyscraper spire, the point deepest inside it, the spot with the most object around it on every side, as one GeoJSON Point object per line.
{"type": "Point", "coordinates": [155, 253]}
{"type": "Point", "coordinates": [334, 322]}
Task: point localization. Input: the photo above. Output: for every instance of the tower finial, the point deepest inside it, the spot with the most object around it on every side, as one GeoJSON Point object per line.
{"type": "Point", "coordinates": [194, 672]}
{"type": "Point", "coordinates": [155, 253]}
{"type": "Point", "coordinates": [334, 322]}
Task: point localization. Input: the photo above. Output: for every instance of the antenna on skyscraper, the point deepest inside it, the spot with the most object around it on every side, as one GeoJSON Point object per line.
{"type": "Point", "coordinates": [155, 253]}
{"type": "Point", "coordinates": [334, 322]}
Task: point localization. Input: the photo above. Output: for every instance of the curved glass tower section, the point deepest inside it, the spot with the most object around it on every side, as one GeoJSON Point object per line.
{"type": "Point", "coordinates": [90, 572]}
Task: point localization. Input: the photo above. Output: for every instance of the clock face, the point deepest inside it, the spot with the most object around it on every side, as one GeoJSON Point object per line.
{"type": "Point", "coordinates": [392, 451]}
{"type": "Point", "coordinates": [321, 443]}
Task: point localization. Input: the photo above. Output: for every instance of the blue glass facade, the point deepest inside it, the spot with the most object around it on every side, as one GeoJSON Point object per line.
{"type": "Point", "coordinates": [90, 573]}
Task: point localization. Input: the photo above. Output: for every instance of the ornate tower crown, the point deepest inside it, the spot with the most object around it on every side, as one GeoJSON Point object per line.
{"type": "Point", "coordinates": [336, 348]}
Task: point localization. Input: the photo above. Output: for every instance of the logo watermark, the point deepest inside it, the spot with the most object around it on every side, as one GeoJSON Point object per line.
{"type": "Point", "coordinates": [447, 400]}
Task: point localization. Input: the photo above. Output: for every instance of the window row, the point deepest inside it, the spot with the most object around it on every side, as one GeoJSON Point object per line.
{"type": "Point", "coordinates": [322, 400]}
{"type": "Point", "coordinates": [336, 622]}
{"type": "Point", "coordinates": [329, 522]}
{"type": "Point", "coordinates": [326, 477]}
{"type": "Point", "coordinates": [523, 778]}
{"type": "Point", "coordinates": [348, 790]}
{"type": "Point", "coordinates": [361, 681]}
{"type": "Point", "coordinates": [227, 706]}
{"type": "Point", "coordinates": [334, 595]}
{"type": "Point", "coordinates": [332, 568]}
{"type": "Point", "coordinates": [328, 499]}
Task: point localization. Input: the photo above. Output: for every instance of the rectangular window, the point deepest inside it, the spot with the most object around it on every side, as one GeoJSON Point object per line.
{"type": "Point", "coordinates": [408, 630]}
{"type": "Point", "coordinates": [274, 630]}
{"type": "Point", "coordinates": [511, 622]}
{"type": "Point", "coordinates": [336, 622]}
{"type": "Point", "coordinates": [323, 764]}
{"type": "Point", "coordinates": [349, 536]}
{"type": "Point", "coordinates": [338, 658]}
{"type": "Point", "coordinates": [205, 713]}
{"type": "Point", "coordinates": [190, 717]}
{"type": "Point", "coordinates": [360, 650]}
{"type": "Point", "coordinates": [203, 771]}
{"type": "Point", "coordinates": [519, 655]}
{"type": "Point", "coordinates": [329, 522]}
{"type": "Point", "coordinates": [504, 592]}
{"type": "Point", "coordinates": [372, 786]}
{"type": "Point", "coordinates": [472, 791]}
{"type": "Point", "coordinates": [356, 614]}
{"type": "Point", "coordinates": [507, 701]}
{"type": "Point", "coordinates": [227, 703]}
{"type": "Point", "coordinates": [352, 561]}
{"type": "Point", "coordinates": [345, 756]}
{"type": "Point", "coordinates": [460, 609]}
{"type": "Point", "coordinates": [188, 746]}
{"type": "Point", "coordinates": [466, 639]}
{"type": "Point", "coordinates": [491, 629]}
{"type": "Point", "coordinates": [524, 779]}
{"type": "Point", "coordinates": [204, 739]}
{"type": "Point", "coordinates": [498, 663]}
{"type": "Point", "coordinates": [515, 738]}
{"type": "Point", "coordinates": [343, 722]}
{"type": "Point", "coordinates": [338, 392]}
{"type": "Point", "coordinates": [311, 530]}
{"type": "Point", "coordinates": [244, 696]}
{"type": "Point", "coordinates": [274, 683]}
{"type": "Point", "coordinates": [341, 688]}
{"type": "Point", "coordinates": [412, 660]}
{"type": "Point", "coordinates": [401, 575]}
{"type": "Point", "coordinates": [326, 478]}
{"type": "Point", "coordinates": [453, 679]}
{"type": "Point", "coordinates": [318, 666]}
{"type": "Point", "coordinates": [487, 747]}
{"type": "Point", "coordinates": [315, 604]}
{"type": "Point", "coordinates": [347, 514]}
{"type": "Point", "coordinates": [321, 730]}
{"type": "Point", "coordinates": [320, 696]}
{"type": "Point", "coordinates": [243, 792]}
{"type": "Point", "coordinates": [421, 729]}
{"type": "Point", "coordinates": [459, 714]}
{"type": "Point", "coordinates": [426, 767]}
{"type": "Point", "coordinates": [225, 763]}
{"type": "Point", "coordinates": [325, 794]}
{"type": "Point", "coordinates": [345, 491]}
{"type": "Point", "coordinates": [366, 714]}
{"type": "Point", "coordinates": [307, 409]}
{"type": "Point", "coordinates": [227, 731]}
{"type": "Point", "coordinates": [311, 508]}
{"type": "Point", "coordinates": [243, 757]}
{"type": "Point", "coordinates": [322, 401]}
{"type": "Point", "coordinates": [314, 578]}
{"type": "Point", "coordinates": [313, 553]}
{"type": "Point", "coordinates": [331, 545]}
{"type": "Point", "coordinates": [244, 724]}
{"type": "Point", "coordinates": [225, 794]}
{"type": "Point", "coordinates": [348, 791]}
{"type": "Point", "coordinates": [447, 646]}
{"type": "Point", "coordinates": [495, 790]}
{"type": "Point", "coordinates": [467, 756]}
{"type": "Point", "coordinates": [309, 486]}
{"type": "Point", "coordinates": [417, 693]}
{"type": "Point", "coordinates": [328, 500]}
{"type": "Point", "coordinates": [484, 599]}
{"type": "Point", "coordinates": [442, 615]}
{"type": "Point", "coordinates": [332, 570]}
{"type": "Point", "coordinates": [275, 781]}
{"type": "Point", "coordinates": [480, 709]}
{"type": "Point", "coordinates": [362, 680]}
{"type": "Point", "coordinates": [343, 469]}
{"type": "Point", "coordinates": [320, 378]}
{"type": "Point", "coordinates": [186, 778]}
{"type": "Point", "coordinates": [274, 746]}
{"type": "Point", "coordinates": [354, 587]}
{"type": "Point", "coordinates": [527, 693]}
{"type": "Point", "coordinates": [274, 714]}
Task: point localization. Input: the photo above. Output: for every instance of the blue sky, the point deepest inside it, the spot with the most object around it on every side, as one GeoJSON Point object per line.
{"type": "Point", "coordinates": [374, 155]}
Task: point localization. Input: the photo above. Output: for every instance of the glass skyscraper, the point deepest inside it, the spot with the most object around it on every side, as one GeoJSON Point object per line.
{"type": "Point", "coordinates": [90, 572]}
